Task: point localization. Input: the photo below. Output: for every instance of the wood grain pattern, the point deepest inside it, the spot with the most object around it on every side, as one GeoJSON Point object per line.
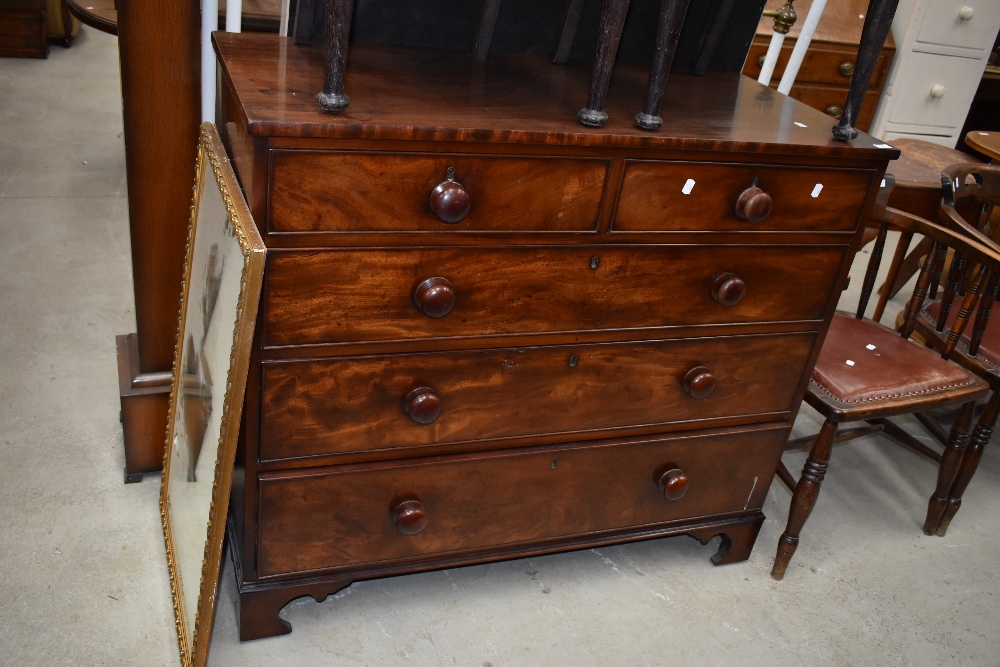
{"type": "Point", "coordinates": [356, 403]}
{"type": "Point", "coordinates": [337, 517]}
{"type": "Point", "coordinates": [660, 196]}
{"type": "Point", "coordinates": [337, 296]}
{"type": "Point", "coordinates": [390, 192]}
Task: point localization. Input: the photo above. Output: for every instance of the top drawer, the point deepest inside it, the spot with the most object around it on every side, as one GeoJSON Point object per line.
{"type": "Point", "coordinates": [694, 196]}
{"type": "Point", "coordinates": [823, 63]}
{"type": "Point", "coordinates": [387, 192]}
{"type": "Point", "coordinates": [969, 24]}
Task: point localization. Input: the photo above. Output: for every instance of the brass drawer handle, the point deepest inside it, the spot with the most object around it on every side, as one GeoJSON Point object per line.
{"type": "Point", "coordinates": [847, 68]}
{"type": "Point", "coordinates": [835, 110]}
{"type": "Point", "coordinates": [761, 59]}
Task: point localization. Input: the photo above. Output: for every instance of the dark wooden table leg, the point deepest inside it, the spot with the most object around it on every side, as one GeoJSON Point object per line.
{"type": "Point", "coordinates": [873, 35]}
{"type": "Point", "coordinates": [612, 22]}
{"type": "Point", "coordinates": [338, 28]}
{"type": "Point", "coordinates": [668, 33]}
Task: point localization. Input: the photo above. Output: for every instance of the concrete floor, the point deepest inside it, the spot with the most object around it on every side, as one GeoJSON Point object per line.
{"type": "Point", "coordinates": [82, 567]}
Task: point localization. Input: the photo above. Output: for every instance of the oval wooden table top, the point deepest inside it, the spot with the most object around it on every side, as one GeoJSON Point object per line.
{"type": "Point", "coordinates": [100, 14]}
{"type": "Point", "coordinates": [987, 143]}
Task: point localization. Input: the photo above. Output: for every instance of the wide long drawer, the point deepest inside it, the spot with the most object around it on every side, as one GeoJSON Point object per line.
{"type": "Point", "coordinates": [337, 296]}
{"type": "Point", "coordinates": [356, 404]}
{"type": "Point", "coordinates": [396, 192]}
{"type": "Point", "coordinates": [350, 515]}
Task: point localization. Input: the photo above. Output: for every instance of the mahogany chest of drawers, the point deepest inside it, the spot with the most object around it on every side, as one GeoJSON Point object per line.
{"type": "Point", "coordinates": [488, 332]}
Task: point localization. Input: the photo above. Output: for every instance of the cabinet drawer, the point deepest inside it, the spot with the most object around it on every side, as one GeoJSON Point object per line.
{"type": "Point", "coordinates": [970, 24]}
{"type": "Point", "coordinates": [387, 192]}
{"type": "Point", "coordinates": [954, 79]}
{"type": "Point", "coordinates": [364, 403]}
{"type": "Point", "coordinates": [691, 196]}
{"type": "Point", "coordinates": [823, 63]}
{"type": "Point", "coordinates": [344, 516]}
{"type": "Point", "coordinates": [335, 296]}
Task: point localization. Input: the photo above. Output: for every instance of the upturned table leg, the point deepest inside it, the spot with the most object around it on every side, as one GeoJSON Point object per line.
{"type": "Point", "coordinates": [668, 33]}
{"type": "Point", "coordinates": [612, 22]}
{"type": "Point", "coordinates": [338, 28]}
{"type": "Point", "coordinates": [877, 22]}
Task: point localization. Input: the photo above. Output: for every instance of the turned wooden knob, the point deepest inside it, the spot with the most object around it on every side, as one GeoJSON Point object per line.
{"type": "Point", "coordinates": [422, 405]}
{"type": "Point", "coordinates": [434, 297]}
{"type": "Point", "coordinates": [753, 205]}
{"type": "Point", "coordinates": [673, 483]}
{"type": "Point", "coordinates": [449, 200]}
{"type": "Point", "coordinates": [728, 289]}
{"type": "Point", "coordinates": [409, 517]}
{"type": "Point", "coordinates": [698, 382]}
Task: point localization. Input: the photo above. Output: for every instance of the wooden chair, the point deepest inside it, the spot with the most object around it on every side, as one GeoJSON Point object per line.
{"type": "Point", "coordinates": [971, 192]}
{"type": "Point", "coordinates": [868, 372]}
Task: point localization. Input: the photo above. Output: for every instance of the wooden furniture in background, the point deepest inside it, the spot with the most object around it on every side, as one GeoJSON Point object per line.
{"type": "Point", "coordinates": [23, 30]}
{"type": "Point", "coordinates": [826, 71]}
{"type": "Point", "coordinates": [971, 194]}
{"type": "Point", "coordinates": [917, 173]}
{"type": "Point", "coordinates": [987, 143]}
{"type": "Point", "coordinates": [942, 50]}
{"type": "Point", "coordinates": [99, 14]}
{"type": "Point", "coordinates": [869, 372]}
{"type": "Point", "coordinates": [489, 332]}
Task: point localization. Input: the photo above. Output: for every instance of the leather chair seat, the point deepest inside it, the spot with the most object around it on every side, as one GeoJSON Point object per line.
{"type": "Point", "coordinates": [862, 361]}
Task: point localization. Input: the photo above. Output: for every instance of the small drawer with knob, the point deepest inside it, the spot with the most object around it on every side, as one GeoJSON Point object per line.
{"type": "Point", "coordinates": [335, 296]}
{"type": "Point", "coordinates": [823, 64]}
{"type": "Point", "coordinates": [335, 406]}
{"type": "Point", "coordinates": [682, 196]}
{"type": "Point", "coordinates": [403, 192]}
{"type": "Point", "coordinates": [342, 516]}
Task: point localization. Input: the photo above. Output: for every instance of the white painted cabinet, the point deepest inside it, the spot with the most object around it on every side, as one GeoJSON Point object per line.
{"type": "Point", "coordinates": [941, 52]}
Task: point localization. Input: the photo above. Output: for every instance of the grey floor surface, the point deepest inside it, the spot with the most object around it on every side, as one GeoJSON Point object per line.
{"type": "Point", "coordinates": [82, 567]}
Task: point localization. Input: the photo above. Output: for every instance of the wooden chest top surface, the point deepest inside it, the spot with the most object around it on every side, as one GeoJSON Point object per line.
{"type": "Point", "coordinates": [405, 94]}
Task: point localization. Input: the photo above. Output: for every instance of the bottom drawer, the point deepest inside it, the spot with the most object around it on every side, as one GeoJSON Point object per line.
{"type": "Point", "coordinates": [352, 515]}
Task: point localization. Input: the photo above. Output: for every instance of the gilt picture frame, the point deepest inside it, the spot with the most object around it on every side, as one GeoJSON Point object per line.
{"type": "Point", "coordinates": [223, 273]}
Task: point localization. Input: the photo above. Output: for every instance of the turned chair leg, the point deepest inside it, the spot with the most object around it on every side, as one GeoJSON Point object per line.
{"type": "Point", "coordinates": [338, 28]}
{"type": "Point", "coordinates": [804, 497]}
{"type": "Point", "coordinates": [970, 462]}
{"type": "Point", "coordinates": [668, 33]}
{"type": "Point", "coordinates": [948, 470]}
{"type": "Point", "coordinates": [612, 23]}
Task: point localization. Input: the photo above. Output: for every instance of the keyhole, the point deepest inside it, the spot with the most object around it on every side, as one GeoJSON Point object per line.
{"type": "Point", "coordinates": [450, 174]}
{"type": "Point", "coordinates": [573, 361]}
{"type": "Point", "coordinates": [595, 261]}
{"type": "Point", "coordinates": [554, 464]}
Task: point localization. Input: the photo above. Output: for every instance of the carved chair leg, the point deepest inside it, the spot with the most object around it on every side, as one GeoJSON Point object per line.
{"type": "Point", "coordinates": [668, 33]}
{"type": "Point", "coordinates": [878, 19]}
{"type": "Point", "coordinates": [612, 22]}
{"type": "Point", "coordinates": [804, 498]}
{"type": "Point", "coordinates": [970, 462]}
{"type": "Point", "coordinates": [338, 28]}
{"type": "Point", "coordinates": [951, 460]}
